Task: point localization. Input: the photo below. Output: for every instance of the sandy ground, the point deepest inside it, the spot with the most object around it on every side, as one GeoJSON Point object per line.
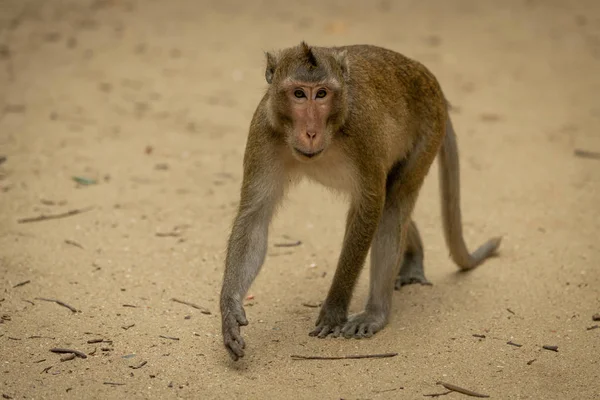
{"type": "Point", "coordinates": [153, 100]}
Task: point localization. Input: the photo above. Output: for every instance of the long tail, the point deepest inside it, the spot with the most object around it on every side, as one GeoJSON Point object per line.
{"type": "Point", "coordinates": [451, 215]}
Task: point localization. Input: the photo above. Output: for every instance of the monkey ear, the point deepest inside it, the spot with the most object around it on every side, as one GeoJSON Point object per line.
{"type": "Point", "coordinates": [271, 65]}
{"type": "Point", "coordinates": [341, 57]}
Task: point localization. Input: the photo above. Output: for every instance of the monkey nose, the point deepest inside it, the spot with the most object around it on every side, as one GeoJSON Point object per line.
{"type": "Point", "coordinates": [311, 134]}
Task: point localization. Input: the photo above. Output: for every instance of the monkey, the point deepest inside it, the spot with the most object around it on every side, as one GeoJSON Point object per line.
{"type": "Point", "coordinates": [364, 121]}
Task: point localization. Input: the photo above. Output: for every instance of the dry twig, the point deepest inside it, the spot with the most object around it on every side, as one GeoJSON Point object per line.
{"type": "Point", "coordinates": [360, 356]}
{"type": "Point", "coordinates": [587, 154]}
{"type": "Point", "coordinates": [459, 389]}
{"type": "Point", "coordinates": [203, 310]}
{"type": "Point", "coordinates": [45, 217]}
{"type": "Point", "coordinates": [65, 351]}
{"type": "Point", "coordinates": [60, 303]}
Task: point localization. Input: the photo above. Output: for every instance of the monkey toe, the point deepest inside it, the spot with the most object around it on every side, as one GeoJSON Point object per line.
{"type": "Point", "coordinates": [322, 331]}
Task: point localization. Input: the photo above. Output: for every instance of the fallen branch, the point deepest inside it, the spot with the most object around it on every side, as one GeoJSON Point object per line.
{"type": "Point", "coordinates": [514, 344]}
{"type": "Point", "coordinates": [168, 337]}
{"type": "Point", "coordinates": [65, 351]}
{"type": "Point", "coordinates": [551, 348]}
{"type": "Point", "coordinates": [73, 243]}
{"type": "Point", "coordinates": [45, 217]}
{"type": "Point", "coordinates": [196, 306]}
{"type": "Point", "coordinates": [438, 394]}
{"type": "Point", "coordinates": [459, 389]}
{"type": "Point", "coordinates": [22, 283]}
{"type": "Point", "coordinates": [138, 366]}
{"type": "Point", "coordinates": [291, 244]}
{"type": "Point", "coordinates": [587, 154]}
{"type": "Point", "coordinates": [360, 356]}
{"type": "Point", "coordinates": [60, 303]}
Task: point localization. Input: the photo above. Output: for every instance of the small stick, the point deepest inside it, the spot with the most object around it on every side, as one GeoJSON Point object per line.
{"type": "Point", "coordinates": [292, 244]}
{"type": "Point", "coordinates": [384, 355]}
{"type": "Point", "coordinates": [511, 311]}
{"type": "Point", "coordinates": [73, 243]}
{"type": "Point", "coordinates": [68, 357]}
{"type": "Point", "coordinates": [60, 303]}
{"type": "Point", "coordinates": [438, 394]}
{"type": "Point", "coordinates": [92, 341]}
{"type": "Point", "coordinates": [551, 348]}
{"type": "Point", "coordinates": [127, 326]}
{"type": "Point", "coordinates": [138, 366]}
{"type": "Point", "coordinates": [22, 283]}
{"type": "Point", "coordinates": [29, 301]}
{"type": "Point", "coordinates": [587, 154]}
{"type": "Point", "coordinates": [91, 353]}
{"type": "Point", "coordinates": [39, 361]}
{"type": "Point", "coordinates": [531, 361]}
{"type": "Point", "coordinates": [130, 306]}
{"type": "Point", "coordinates": [168, 337]}
{"type": "Point", "coordinates": [40, 337]}
{"type": "Point", "coordinates": [459, 389]}
{"type": "Point", "coordinates": [46, 369]}
{"type": "Point", "coordinates": [514, 344]}
{"type": "Point", "coordinates": [167, 234]}
{"type": "Point", "coordinates": [479, 336]}
{"type": "Point", "coordinates": [114, 383]}
{"type": "Point", "coordinates": [388, 390]}
{"type": "Point", "coordinates": [592, 327]}
{"type": "Point", "coordinates": [45, 217]}
{"type": "Point", "coordinates": [76, 352]}
{"type": "Point", "coordinates": [311, 305]}
{"type": "Point", "coordinates": [187, 303]}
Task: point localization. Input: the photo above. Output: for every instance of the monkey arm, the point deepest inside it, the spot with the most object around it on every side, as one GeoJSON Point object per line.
{"type": "Point", "coordinates": [261, 191]}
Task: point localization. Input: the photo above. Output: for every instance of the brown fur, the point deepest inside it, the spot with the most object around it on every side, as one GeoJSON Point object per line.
{"type": "Point", "coordinates": [374, 136]}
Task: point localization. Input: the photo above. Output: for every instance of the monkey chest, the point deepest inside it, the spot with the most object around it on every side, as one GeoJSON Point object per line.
{"type": "Point", "coordinates": [338, 176]}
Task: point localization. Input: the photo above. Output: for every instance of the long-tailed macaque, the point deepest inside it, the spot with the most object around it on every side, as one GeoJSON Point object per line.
{"type": "Point", "coordinates": [365, 121]}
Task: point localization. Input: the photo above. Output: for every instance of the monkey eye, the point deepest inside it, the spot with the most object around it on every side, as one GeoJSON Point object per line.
{"type": "Point", "coordinates": [299, 93]}
{"type": "Point", "coordinates": [321, 93]}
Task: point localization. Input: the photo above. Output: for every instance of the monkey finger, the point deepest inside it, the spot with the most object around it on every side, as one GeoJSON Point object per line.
{"type": "Point", "coordinates": [241, 319]}
{"type": "Point", "coordinates": [336, 332]}
{"type": "Point", "coordinates": [235, 350]}
{"type": "Point", "coordinates": [362, 331]}
{"type": "Point", "coordinates": [369, 332]}
{"type": "Point", "coordinates": [321, 331]}
{"type": "Point", "coordinates": [349, 330]}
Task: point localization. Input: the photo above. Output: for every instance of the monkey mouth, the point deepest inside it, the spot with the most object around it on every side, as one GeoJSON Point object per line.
{"type": "Point", "coordinates": [308, 154]}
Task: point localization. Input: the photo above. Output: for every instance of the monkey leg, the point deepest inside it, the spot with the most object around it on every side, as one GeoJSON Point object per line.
{"type": "Point", "coordinates": [387, 250]}
{"type": "Point", "coordinates": [361, 225]}
{"type": "Point", "coordinates": [412, 269]}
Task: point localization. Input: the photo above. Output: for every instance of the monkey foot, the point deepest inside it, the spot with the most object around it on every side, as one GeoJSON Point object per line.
{"type": "Point", "coordinates": [411, 272]}
{"type": "Point", "coordinates": [363, 325]}
{"type": "Point", "coordinates": [411, 280]}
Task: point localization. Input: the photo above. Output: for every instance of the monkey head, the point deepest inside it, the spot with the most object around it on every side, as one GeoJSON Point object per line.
{"type": "Point", "coordinates": [307, 97]}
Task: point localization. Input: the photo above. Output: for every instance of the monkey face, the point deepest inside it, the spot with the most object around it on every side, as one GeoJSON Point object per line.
{"type": "Point", "coordinates": [307, 97]}
{"type": "Point", "coordinates": [310, 106]}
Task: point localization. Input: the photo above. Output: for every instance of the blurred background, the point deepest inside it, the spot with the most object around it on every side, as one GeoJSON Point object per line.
{"type": "Point", "coordinates": [136, 112]}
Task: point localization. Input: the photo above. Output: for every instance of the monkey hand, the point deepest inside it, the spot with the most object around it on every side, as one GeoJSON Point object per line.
{"type": "Point", "coordinates": [331, 321]}
{"type": "Point", "coordinates": [233, 316]}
